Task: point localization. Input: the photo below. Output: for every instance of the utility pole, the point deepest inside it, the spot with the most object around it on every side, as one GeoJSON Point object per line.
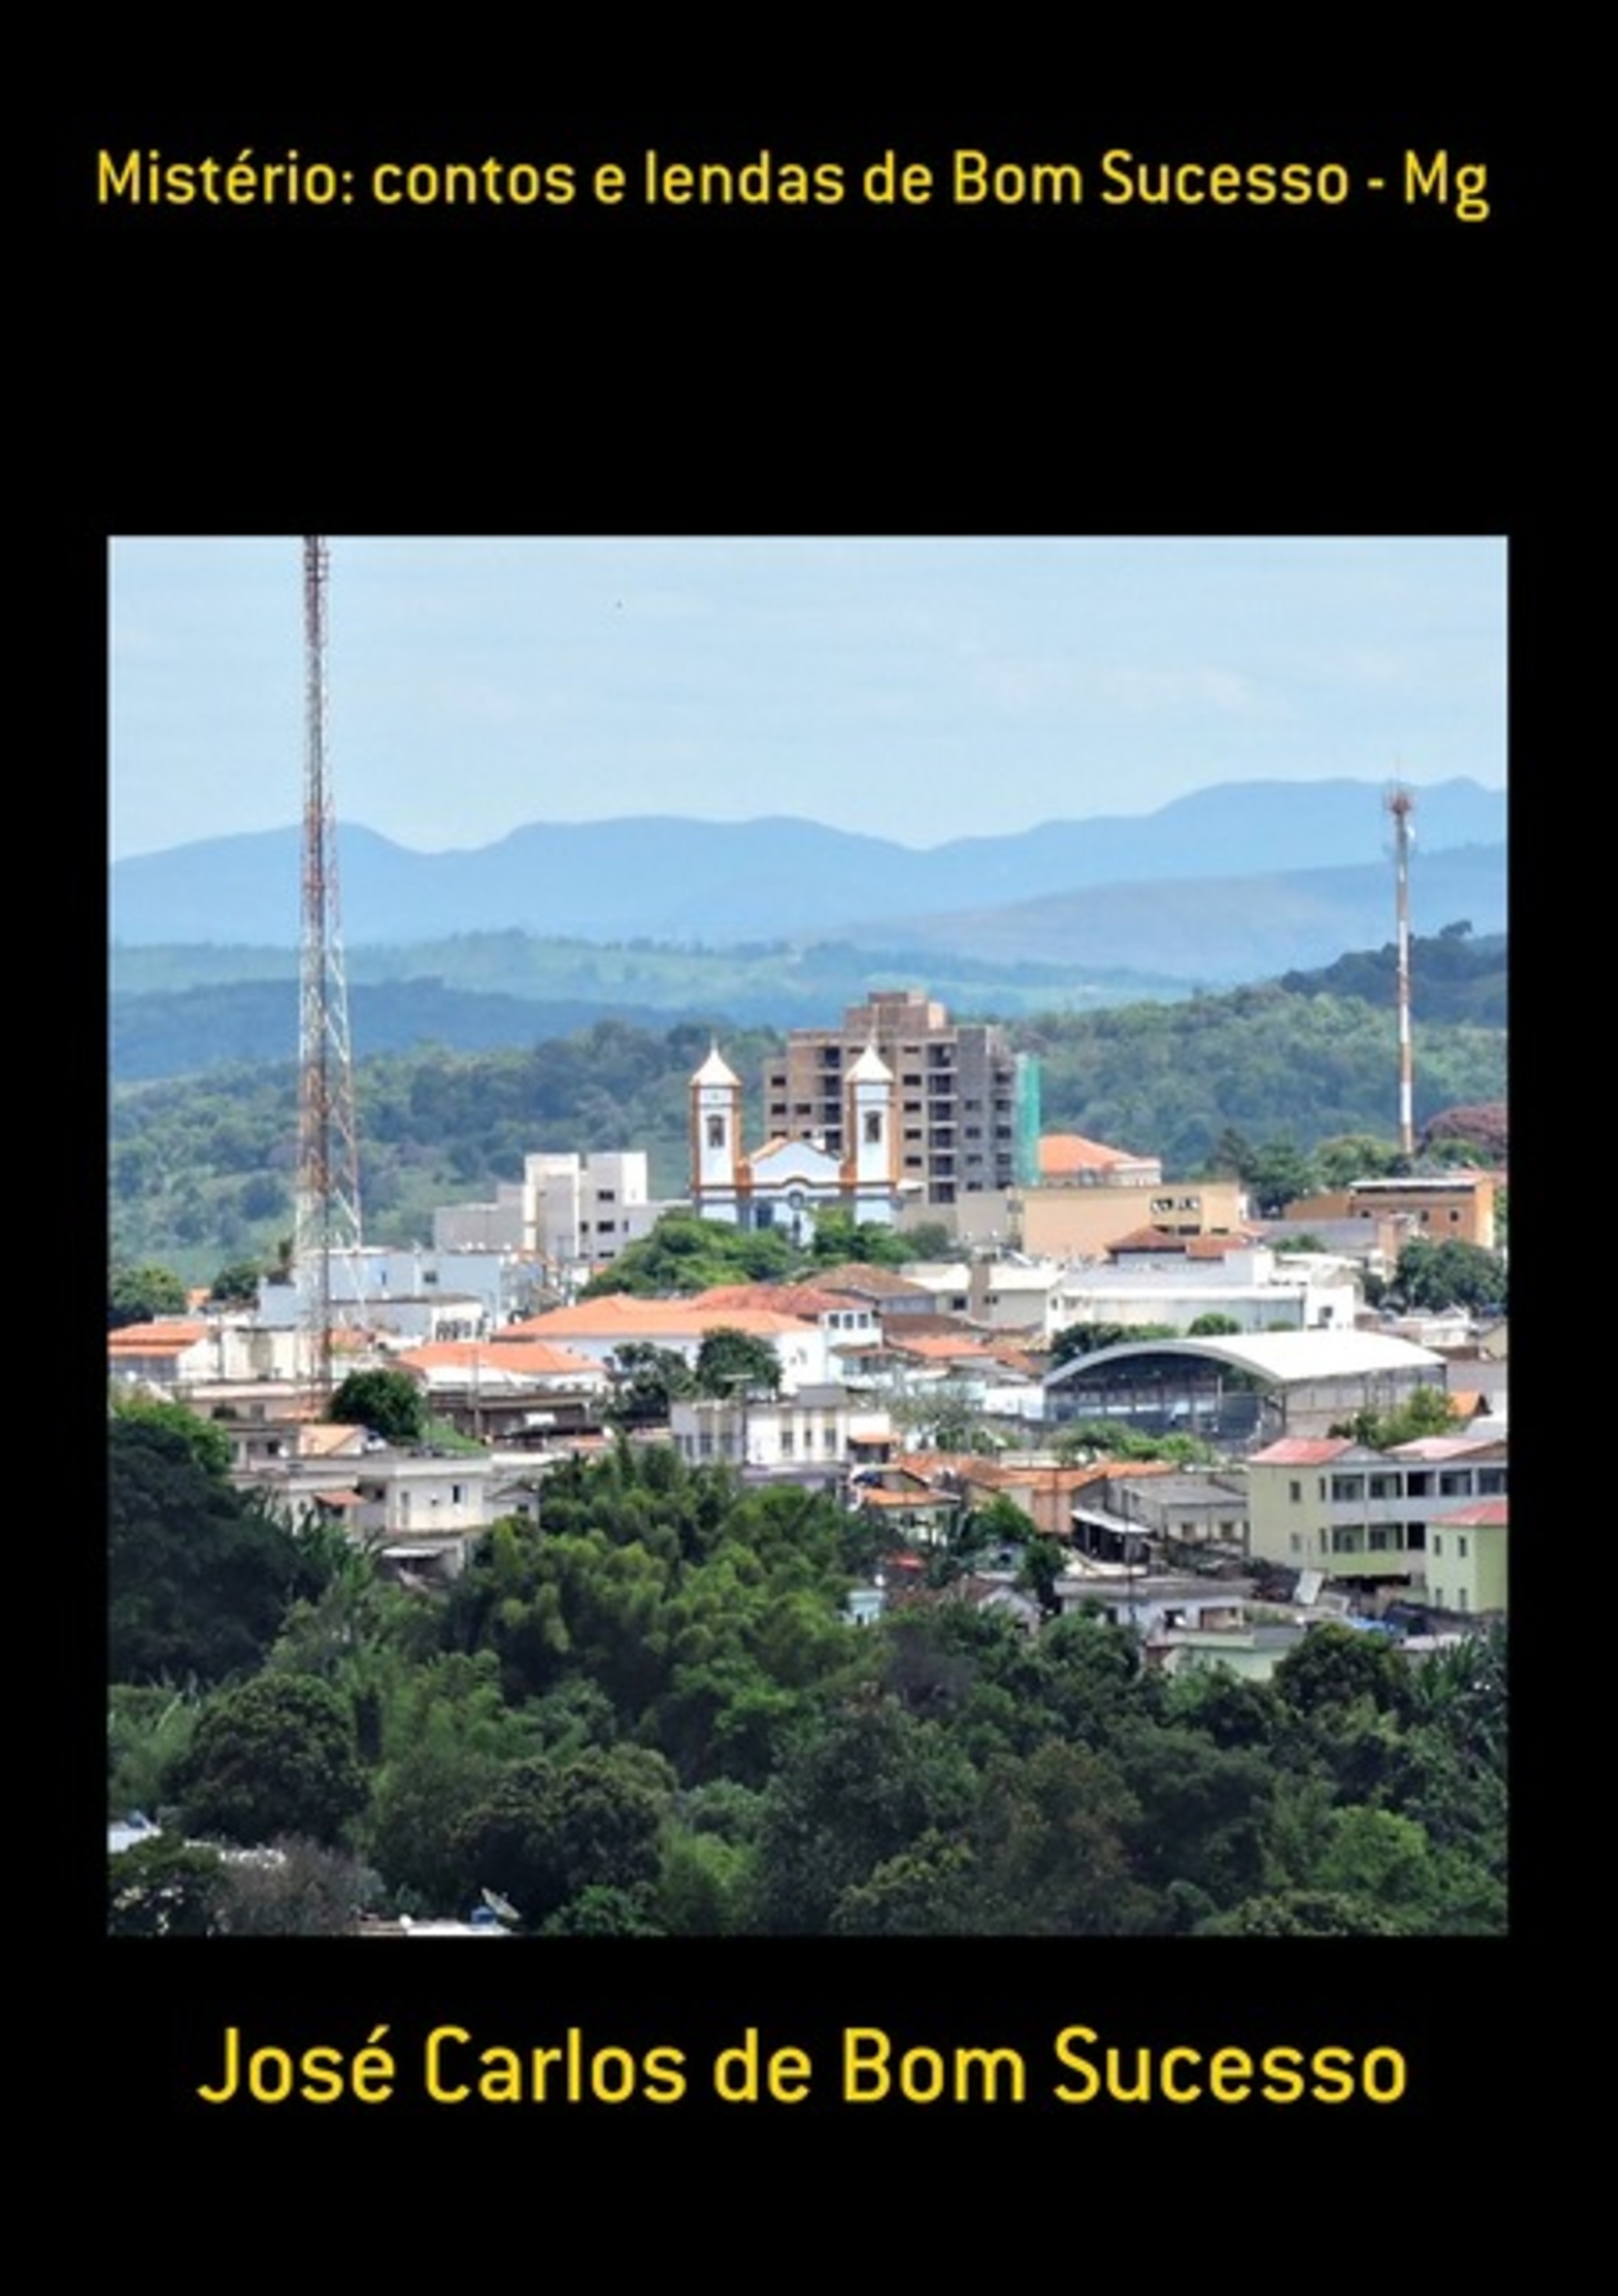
{"type": "Point", "coordinates": [326, 1226]}
{"type": "Point", "coordinates": [1401, 804]}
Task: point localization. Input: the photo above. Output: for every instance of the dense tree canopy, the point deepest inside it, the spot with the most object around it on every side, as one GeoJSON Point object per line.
{"type": "Point", "coordinates": [649, 1712]}
{"type": "Point", "coordinates": [199, 1577]}
{"type": "Point", "coordinates": [141, 1295]}
{"type": "Point", "coordinates": [389, 1403]}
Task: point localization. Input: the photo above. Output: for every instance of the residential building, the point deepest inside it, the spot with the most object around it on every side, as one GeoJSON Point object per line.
{"type": "Point", "coordinates": [1442, 1208]}
{"type": "Point", "coordinates": [571, 1213]}
{"type": "Point", "coordinates": [1328, 1503]}
{"type": "Point", "coordinates": [963, 1096]}
{"type": "Point", "coordinates": [818, 1430]}
{"type": "Point", "coordinates": [1466, 1559]}
{"type": "Point", "coordinates": [1080, 1214]}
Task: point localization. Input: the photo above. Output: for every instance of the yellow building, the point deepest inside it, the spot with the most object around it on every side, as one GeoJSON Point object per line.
{"type": "Point", "coordinates": [1327, 1504]}
{"type": "Point", "coordinates": [1466, 1559]}
{"type": "Point", "coordinates": [1448, 1207]}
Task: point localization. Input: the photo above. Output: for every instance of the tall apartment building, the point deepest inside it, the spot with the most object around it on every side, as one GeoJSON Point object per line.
{"type": "Point", "coordinates": [967, 1103]}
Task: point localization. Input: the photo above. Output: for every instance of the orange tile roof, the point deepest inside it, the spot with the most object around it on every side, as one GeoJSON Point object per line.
{"type": "Point", "coordinates": [1061, 1152]}
{"type": "Point", "coordinates": [620, 1316]}
{"type": "Point", "coordinates": [802, 1300]}
{"type": "Point", "coordinates": [521, 1358]}
{"type": "Point", "coordinates": [1148, 1239]}
{"type": "Point", "coordinates": [1483, 1514]}
{"type": "Point", "coordinates": [1301, 1451]}
{"type": "Point", "coordinates": [156, 1337]}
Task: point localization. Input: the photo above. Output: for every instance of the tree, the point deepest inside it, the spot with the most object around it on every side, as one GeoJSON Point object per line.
{"type": "Point", "coordinates": [389, 1403]}
{"type": "Point", "coordinates": [547, 1832]}
{"type": "Point", "coordinates": [1333, 1667]}
{"type": "Point", "coordinates": [1425, 1411]}
{"type": "Point", "coordinates": [237, 1284]}
{"type": "Point", "coordinates": [1211, 1326]}
{"type": "Point", "coordinates": [1434, 1276]}
{"type": "Point", "coordinates": [208, 1444]}
{"type": "Point", "coordinates": [141, 1295]}
{"type": "Point", "coordinates": [163, 1887]}
{"type": "Point", "coordinates": [647, 1380]}
{"type": "Point", "coordinates": [200, 1578]}
{"type": "Point", "coordinates": [275, 1757]}
{"type": "Point", "coordinates": [1278, 1175]}
{"type": "Point", "coordinates": [686, 1254]}
{"type": "Point", "coordinates": [729, 1361]}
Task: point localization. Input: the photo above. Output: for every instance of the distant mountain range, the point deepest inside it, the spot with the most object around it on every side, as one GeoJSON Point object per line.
{"type": "Point", "coordinates": [716, 882]}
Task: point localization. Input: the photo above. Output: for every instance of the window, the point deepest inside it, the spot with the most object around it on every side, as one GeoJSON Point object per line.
{"type": "Point", "coordinates": [716, 1132]}
{"type": "Point", "coordinates": [1438, 1544]}
{"type": "Point", "coordinates": [1294, 1492]}
{"type": "Point", "coordinates": [1385, 1487]}
{"type": "Point", "coordinates": [1460, 1546]}
{"type": "Point", "coordinates": [1347, 1489]}
{"type": "Point", "coordinates": [1348, 1539]}
{"type": "Point", "coordinates": [1383, 1538]}
{"type": "Point", "coordinates": [872, 1127]}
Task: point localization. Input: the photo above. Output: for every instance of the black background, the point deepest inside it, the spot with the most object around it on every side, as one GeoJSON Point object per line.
{"type": "Point", "coordinates": [1373, 369]}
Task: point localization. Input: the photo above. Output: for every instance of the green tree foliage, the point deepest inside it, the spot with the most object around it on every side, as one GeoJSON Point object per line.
{"type": "Point", "coordinates": [838, 1239]}
{"type": "Point", "coordinates": [1425, 1411]}
{"type": "Point", "coordinates": [730, 1362]}
{"type": "Point", "coordinates": [274, 1757]}
{"type": "Point", "coordinates": [863, 1785]}
{"type": "Point", "coordinates": [236, 1284]}
{"type": "Point", "coordinates": [1300, 1913]}
{"type": "Point", "coordinates": [1434, 1276]}
{"type": "Point", "coordinates": [1052, 1838]}
{"type": "Point", "coordinates": [545, 1832]}
{"type": "Point", "coordinates": [208, 1443]}
{"type": "Point", "coordinates": [684, 1254]}
{"type": "Point", "coordinates": [163, 1887]}
{"type": "Point", "coordinates": [149, 1731]}
{"type": "Point", "coordinates": [1211, 1326]}
{"type": "Point", "coordinates": [646, 1380]}
{"type": "Point", "coordinates": [141, 1295]}
{"type": "Point", "coordinates": [1278, 1175]}
{"type": "Point", "coordinates": [389, 1403]}
{"type": "Point", "coordinates": [1335, 1668]}
{"type": "Point", "coordinates": [199, 1577]}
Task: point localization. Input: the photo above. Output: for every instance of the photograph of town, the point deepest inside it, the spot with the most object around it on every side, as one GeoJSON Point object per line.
{"type": "Point", "coordinates": [807, 1237]}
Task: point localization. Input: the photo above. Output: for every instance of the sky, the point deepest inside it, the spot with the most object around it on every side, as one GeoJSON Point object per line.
{"type": "Point", "coordinates": [919, 689]}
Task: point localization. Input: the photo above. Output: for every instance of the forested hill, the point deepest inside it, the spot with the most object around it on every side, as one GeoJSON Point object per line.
{"type": "Point", "coordinates": [201, 1170]}
{"type": "Point", "coordinates": [1453, 977]}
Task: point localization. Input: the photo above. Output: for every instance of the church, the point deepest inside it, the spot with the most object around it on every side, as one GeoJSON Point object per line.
{"type": "Point", "coordinates": [784, 1183]}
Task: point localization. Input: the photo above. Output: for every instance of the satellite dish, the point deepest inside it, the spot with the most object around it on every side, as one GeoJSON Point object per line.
{"type": "Point", "coordinates": [501, 1908]}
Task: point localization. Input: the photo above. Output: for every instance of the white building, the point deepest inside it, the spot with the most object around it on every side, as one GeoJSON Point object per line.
{"type": "Point", "coordinates": [571, 1213]}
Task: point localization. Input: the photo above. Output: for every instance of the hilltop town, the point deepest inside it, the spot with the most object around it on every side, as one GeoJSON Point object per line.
{"type": "Point", "coordinates": [662, 1508]}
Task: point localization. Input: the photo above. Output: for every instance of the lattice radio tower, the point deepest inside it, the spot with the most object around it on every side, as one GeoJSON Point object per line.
{"type": "Point", "coordinates": [327, 1224]}
{"type": "Point", "coordinates": [1400, 806]}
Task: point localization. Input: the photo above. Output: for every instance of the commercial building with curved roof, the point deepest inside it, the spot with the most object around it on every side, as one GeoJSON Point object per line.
{"type": "Point", "coordinates": [1243, 1388]}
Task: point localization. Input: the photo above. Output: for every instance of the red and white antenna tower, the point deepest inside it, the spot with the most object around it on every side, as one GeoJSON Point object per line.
{"type": "Point", "coordinates": [327, 1221]}
{"type": "Point", "coordinates": [1401, 804]}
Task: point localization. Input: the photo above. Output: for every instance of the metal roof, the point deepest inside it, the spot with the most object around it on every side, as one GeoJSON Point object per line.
{"type": "Point", "coordinates": [1281, 1357]}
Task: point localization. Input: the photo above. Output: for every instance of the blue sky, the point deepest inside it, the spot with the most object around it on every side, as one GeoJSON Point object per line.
{"type": "Point", "coordinates": [916, 689]}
